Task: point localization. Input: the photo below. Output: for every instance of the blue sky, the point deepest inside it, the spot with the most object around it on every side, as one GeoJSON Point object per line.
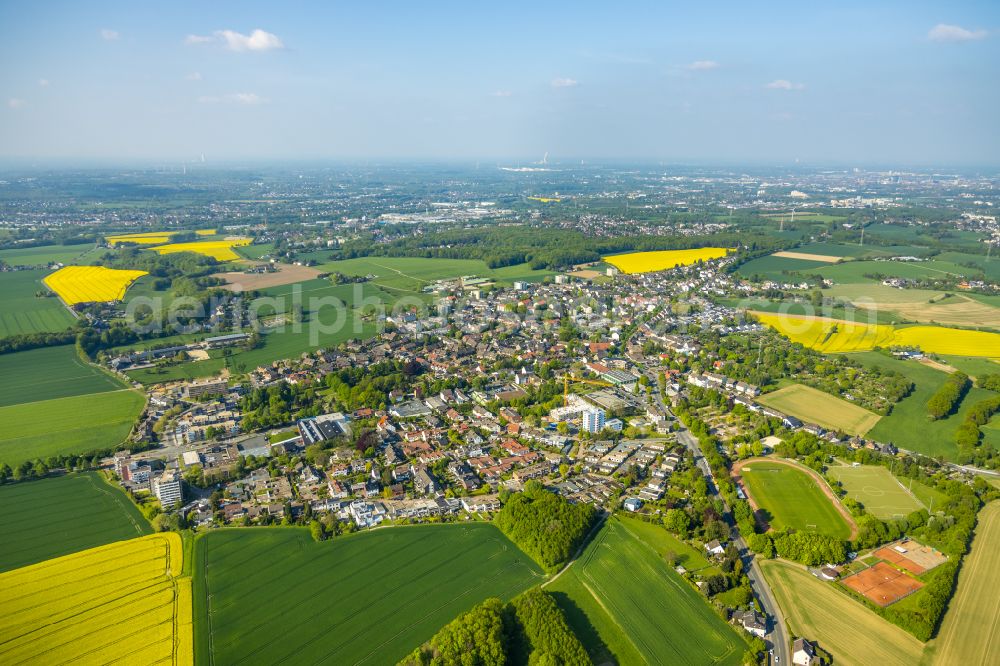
{"type": "Point", "coordinates": [857, 83]}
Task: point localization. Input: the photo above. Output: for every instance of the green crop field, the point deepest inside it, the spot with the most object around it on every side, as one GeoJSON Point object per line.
{"type": "Point", "coordinates": [815, 406]}
{"type": "Point", "coordinates": [908, 425]}
{"type": "Point", "coordinates": [274, 595]}
{"type": "Point", "coordinates": [58, 516]}
{"type": "Point", "coordinates": [877, 489]}
{"type": "Point", "coordinates": [77, 424]}
{"type": "Point", "coordinates": [409, 275]}
{"type": "Point", "coordinates": [970, 631]}
{"type": "Point", "coordinates": [855, 271]}
{"type": "Point", "coordinates": [47, 254]}
{"type": "Point", "coordinates": [780, 269]}
{"type": "Point", "coordinates": [47, 373]}
{"type": "Point", "coordinates": [21, 311]}
{"type": "Point", "coordinates": [790, 497]}
{"type": "Point", "coordinates": [635, 596]}
{"type": "Point", "coordinates": [848, 630]}
{"type": "Point", "coordinates": [663, 542]}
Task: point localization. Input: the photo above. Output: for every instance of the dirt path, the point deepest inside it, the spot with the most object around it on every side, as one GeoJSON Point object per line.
{"type": "Point", "coordinates": [823, 485]}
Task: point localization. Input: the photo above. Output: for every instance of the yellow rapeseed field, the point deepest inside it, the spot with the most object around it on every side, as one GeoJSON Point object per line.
{"type": "Point", "coordinates": [647, 262]}
{"type": "Point", "coordinates": [91, 284]}
{"type": "Point", "coordinates": [122, 601]}
{"type": "Point", "coordinates": [830, 335]}
{"type": "Point", "coordinates": [151, 237]}
{"type": "Point", "coordinates": [221, 250]}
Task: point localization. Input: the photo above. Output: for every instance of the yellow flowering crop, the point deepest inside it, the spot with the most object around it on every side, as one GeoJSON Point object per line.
{"type": "Point", "coordinates": [221, 250]}
{"type": "Point", "coordinates": [647, 262]}
{"type": "Point", "coordinates": [91, 284]}
{"type": "Point", "coordinates": [79, 607]}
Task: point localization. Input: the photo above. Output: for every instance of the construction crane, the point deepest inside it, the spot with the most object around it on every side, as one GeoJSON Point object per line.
{"type": "Point", "coordinates": [568, 378]}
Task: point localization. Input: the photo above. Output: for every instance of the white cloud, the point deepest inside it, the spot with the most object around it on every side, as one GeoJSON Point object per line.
{"type": "Point", "coordinates": [246, 99]}
{"type": "Point", "coordinates": [943, 32]}
{"type": "Point", "coordinates": [109, 35]}
{"type": "Point", "coordinates": [702, 65]}
{"type": "Point", "coordinates": [501, 93]}
{"type": "Point", "coordinates": [15, 103]}
{"type": "Point", "coordinates": [784, 84]}
{"type": "Point", "coordinates": [43, 83]}
{"type": "Point", "coordinates": [563, 83]}
{"type": "Point", "coordinates": [258, 40]}
{"type": "Point", "coordinates": [193, 76]}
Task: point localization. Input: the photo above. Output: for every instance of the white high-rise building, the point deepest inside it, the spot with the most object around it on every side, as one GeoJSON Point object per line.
{"type": "Point", "coordinates": [168, 489]}
{"type": "Point", "coordinates": [593, 420]}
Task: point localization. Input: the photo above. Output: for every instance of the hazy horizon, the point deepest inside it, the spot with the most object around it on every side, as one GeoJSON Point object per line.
{"type": "Point", "coordinates": [890, 86]}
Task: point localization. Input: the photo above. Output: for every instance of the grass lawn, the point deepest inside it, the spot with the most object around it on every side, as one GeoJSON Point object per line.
{"type": "Point", "coordinates": [790, 497]}
{"type": "Point", "coordinates": [927, 496]}
{"type": "Point", "coordinates": [48, 373]}
{"type": "Point", "coordinates": [77, 424]}
{"type": "Point", "coordinates": [663, 542]}
{"type": "Point", "coordinates": [368, 597]}
{"type": "Point", "coordinates": [23, 312]}
{"type": "Point", "coordinates": [646, 602]}
{"type": "Point", "coordinates": [908, 426]}
{"type": "Point", "coordinates": [47, 254]}
{"type": "Point", "coordinates": [58, 516]}
{"type": "Point", "coordinates": [852, 633]}
{"type": "Point", "coordinates": [815, 406]}
{"type": "Point", "coordinates": [877, 489]}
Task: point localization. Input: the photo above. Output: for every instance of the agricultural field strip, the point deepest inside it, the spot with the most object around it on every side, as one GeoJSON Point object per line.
{"type": "Point", "coordinates": [970, 630]}
{"type": "Point", "coordinates": [247, 636]}
{"type": "Point", "coordinates": [822, 612]}
{"type": "Point", "coordinates": [95, 634]}
{"type": "Point", "coordinates": [621, 604]}
{"type": "Point", "coordinates": [390, 588]}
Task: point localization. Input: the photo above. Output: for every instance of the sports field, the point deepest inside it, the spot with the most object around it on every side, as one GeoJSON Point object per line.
{"type": "Point", "coordinates": [220, 250]}
{"type": "Point", "coordinates": [815, 406]}
{"type": "Point", "coordinates": [21, 311]}
{"type": "Point", "coordinates": [970, 630]}
{"type": "Point", "coordinates": [907, 426]}
{"type": "Point", "coordinates": [790, 497]}
{"type": "Point", "coordinates": [832, 335]}
{"type": "Point", "coordinates": [91, 284]}
{"type": "Point", "coordinates": [274, 595]}
{"type": "Point", "coordinates": [877, 489]}
{"type": "Point", "coordinates": [51, 403]}
{"type": "Point", "coordinates": [647, 262]}
{"type": "Point", "coordinates": [852, 633]}
{"type": "Point", "coordinates": [120, 602]}
{"type": "Point", "coordinates": [58, 516]}
{"type": "Point", "coordinates": [635, 595]}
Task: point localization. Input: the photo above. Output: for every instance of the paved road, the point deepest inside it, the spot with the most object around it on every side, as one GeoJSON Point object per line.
{"type": "Point", "coordinates": [777, 638]}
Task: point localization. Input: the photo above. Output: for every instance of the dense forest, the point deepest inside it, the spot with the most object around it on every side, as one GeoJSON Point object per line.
{"type": "Point", "coordinates": [544, 525]}
{"type": "Point", "coordinates": [531, 629]}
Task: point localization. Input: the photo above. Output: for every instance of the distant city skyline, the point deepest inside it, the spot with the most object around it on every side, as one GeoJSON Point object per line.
{"type": "Point", "coordinates": [889, 83]}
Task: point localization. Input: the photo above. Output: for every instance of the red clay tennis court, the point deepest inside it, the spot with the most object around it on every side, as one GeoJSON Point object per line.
{"type": "Point", "coordinates": [882, 584]}
{"type": "Point", "coordinates": [910, 555]}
